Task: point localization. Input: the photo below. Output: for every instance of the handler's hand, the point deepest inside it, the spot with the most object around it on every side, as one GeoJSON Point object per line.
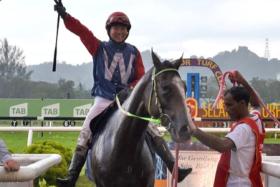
{"type": "Point", "coordinates": [236, 76]}
{"type": "Point", "coordinates": [11, 165]}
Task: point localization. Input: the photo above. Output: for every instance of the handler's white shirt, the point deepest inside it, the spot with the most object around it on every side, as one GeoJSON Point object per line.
{"type": "Point", "coordinates": [242, 158]}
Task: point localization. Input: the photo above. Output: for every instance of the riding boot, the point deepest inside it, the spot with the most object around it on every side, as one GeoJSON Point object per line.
{"type": "Point", "coordinates": [75, 168]}
{"type": "Point", "coordinates": [163, 151]}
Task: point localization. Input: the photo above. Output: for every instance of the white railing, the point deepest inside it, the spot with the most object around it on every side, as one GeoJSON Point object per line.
{"type": "Point", "coordinates": [32, 166]}
{"type": "Point", "coordinates": [269, 167]}
{"type": "Point", "coordinates": [30, 130]}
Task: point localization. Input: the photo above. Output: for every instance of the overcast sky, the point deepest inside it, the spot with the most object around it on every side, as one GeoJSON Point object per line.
{"type": "Point", "coordinates": [171, 27]}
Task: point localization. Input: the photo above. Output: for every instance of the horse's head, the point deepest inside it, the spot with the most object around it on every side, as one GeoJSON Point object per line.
{"type": "Point", "coordinates": [166, 98]}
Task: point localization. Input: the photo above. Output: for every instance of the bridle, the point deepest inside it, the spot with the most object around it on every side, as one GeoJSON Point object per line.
{"type": "Point", "coordinates": [162, 115]}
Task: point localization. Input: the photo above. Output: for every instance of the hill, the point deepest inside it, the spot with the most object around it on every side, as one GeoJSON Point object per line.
{"type": "Point", "coordinates": [242, 59]}
{"type": "Point", "coordinates": [248, 63]}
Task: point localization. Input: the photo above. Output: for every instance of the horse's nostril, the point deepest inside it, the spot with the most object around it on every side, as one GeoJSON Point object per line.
{"type": "Point", "coordinates": [184, 131]}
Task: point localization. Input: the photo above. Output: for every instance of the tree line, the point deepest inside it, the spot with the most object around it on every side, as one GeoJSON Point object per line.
{"type": "Point", "coordinates": [15, 81]}
{"type": "Point", "coordinates": [268, 89]}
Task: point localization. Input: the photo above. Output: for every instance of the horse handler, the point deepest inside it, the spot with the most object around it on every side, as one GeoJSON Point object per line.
{"type": "Point", "coordinates": [117, 66]}
{"type": "Point", "coordinates": [241, 148]}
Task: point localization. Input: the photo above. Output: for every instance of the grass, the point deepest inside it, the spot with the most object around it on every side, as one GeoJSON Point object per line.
{"type": "Point", "coordinates": [17, 143]}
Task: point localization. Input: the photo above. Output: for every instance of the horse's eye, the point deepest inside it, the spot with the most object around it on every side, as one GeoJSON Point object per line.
{"type": "Point", "coordinates": [166, 90]}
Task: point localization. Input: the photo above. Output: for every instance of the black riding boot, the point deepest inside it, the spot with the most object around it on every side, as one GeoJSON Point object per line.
{"type": "Point", "coordinates": [75, 168]}
{"type": "Point", "coordinates": [163, 151]}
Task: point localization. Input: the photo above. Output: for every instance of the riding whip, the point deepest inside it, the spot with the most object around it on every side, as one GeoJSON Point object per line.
{"type": "Point", "coordinates": [55, 48]}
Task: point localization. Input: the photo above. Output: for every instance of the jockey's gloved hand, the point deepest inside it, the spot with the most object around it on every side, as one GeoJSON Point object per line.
{"type": "Point", "coordinates": [61, 10]}
{"type": "Point", "coordinates": [123, 94]}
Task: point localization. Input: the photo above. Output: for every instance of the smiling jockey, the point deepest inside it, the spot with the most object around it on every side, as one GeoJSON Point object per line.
{"type": "Point", "coordinates": [117, 66]}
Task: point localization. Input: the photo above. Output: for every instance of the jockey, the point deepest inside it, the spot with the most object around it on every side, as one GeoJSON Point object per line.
{"type": "Point", "coordinates": [117, 65]}
{"type": "Point", "coordinates": [241, 148]}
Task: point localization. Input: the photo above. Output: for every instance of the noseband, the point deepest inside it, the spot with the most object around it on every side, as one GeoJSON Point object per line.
{"type": "Point", "coordinates": [163, 117]}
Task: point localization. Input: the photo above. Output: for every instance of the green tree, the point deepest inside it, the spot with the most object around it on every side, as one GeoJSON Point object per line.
{"type": "Point", "coordinates": [66, 88]}
{"type": "Point", "coordinates": [12, 62]}
{"type": "Point", "coordinates": [261, 87]}
{"type": "Point", "coordinates": [273, 91]}
{"type": "Point", "coordinates": [50, 147]}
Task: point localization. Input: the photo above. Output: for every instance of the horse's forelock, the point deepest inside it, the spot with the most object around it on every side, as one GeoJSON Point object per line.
{"type": "Point", "coordinates": [165, 65]}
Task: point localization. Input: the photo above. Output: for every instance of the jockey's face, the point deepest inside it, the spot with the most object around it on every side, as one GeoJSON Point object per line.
{"type": "Point", "coordinates": [118, 33]}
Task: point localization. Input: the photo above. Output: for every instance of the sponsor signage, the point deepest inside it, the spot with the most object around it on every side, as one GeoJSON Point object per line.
{"type": "Point", "coordinates": [81, 111]}
{"type": "Point", "coordinates": [20, 110]}
{"type": "Point", "coordinates": [205, 63]}
{"type": "Point", "coordinates": [203, 163]}
{"type": "Point", "coordinates": [50, 110]}
{"type": "Point", "coordinates": [193, 106]}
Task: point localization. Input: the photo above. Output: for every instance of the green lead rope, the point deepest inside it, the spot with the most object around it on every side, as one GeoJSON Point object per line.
{"type": "Point", "coordinates": [152, 120]}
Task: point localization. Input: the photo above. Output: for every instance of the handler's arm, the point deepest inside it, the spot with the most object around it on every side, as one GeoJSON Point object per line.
{"type": "Point", "coordinates": [254, 96]}
{"type": "Point", "coordinates": [214, 142]}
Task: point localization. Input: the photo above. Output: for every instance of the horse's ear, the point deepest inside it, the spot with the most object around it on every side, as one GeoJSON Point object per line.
{"type": "Point", "coordinates": [178, 62]}
{"type": "Point", "coordinates": [156, 60]}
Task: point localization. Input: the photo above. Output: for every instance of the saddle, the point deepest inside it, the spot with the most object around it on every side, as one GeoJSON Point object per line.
{"type": "Point", "coordinates": [98, 123]}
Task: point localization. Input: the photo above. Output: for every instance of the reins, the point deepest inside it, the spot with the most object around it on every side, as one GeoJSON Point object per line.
{"type": "Point", "coordinates": [174, 177]}
{"type": "Point", "coordinates": [152, 120]}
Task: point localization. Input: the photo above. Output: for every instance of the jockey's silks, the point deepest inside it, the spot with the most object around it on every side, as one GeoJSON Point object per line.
{"type": "Point", "coordinates": [114, 68]}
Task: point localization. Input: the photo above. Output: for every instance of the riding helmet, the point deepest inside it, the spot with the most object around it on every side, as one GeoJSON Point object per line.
{"type": "Point", "coordinates": [118, 18]}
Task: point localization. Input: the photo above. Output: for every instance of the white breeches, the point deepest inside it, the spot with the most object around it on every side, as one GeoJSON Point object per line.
{"type": "Point", "coordinates": [99, 105]}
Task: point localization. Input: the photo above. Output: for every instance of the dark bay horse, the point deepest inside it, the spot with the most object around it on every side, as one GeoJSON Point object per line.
{"type": "Point", "coordinates": [120, 154]}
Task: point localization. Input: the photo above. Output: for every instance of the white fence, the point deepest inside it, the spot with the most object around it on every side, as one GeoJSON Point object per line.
{"type": "Point", "coordinates": [31, 166]}
{"type": "Point", "coordinates": [270, 165]}
{"type": "Point", "coordinates": [30, 130]}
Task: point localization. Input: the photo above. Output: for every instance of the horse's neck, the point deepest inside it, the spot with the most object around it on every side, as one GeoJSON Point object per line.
{"type": "Point", "coordinates": [135, 105]}
{"type": "Point", "coordinates": [132, 129]}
